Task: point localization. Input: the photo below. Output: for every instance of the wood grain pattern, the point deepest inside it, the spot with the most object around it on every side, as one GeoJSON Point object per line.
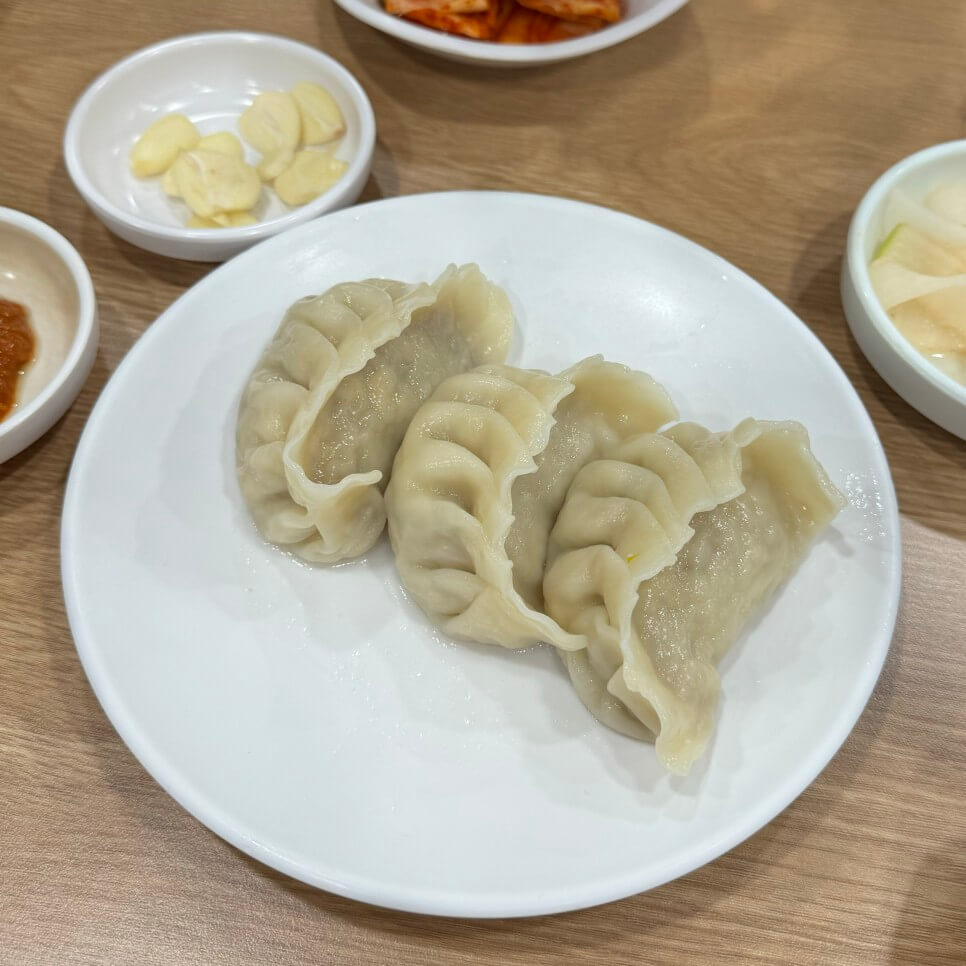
{"type": "Point", "coordinates": [752, 126]}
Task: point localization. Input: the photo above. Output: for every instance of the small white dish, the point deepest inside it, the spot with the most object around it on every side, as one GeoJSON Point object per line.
{"type": "Point", "coordinates": [313, 717]}
{"type": "Point", "coordinates": [924, 386]}
{"type": "Point", "coordinates": [638, 16]}
{"type": "Point", "coordinates": [211, 78]}
{"type": "Point", "coordinates": [42, 271]}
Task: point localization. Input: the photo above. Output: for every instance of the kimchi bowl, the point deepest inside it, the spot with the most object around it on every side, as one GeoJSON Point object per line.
{"type": "Point", "coordinates": [636, 17]}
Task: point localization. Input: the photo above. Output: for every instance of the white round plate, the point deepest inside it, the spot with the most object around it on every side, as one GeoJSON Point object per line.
{"type": "Point", "coordinates": [637, 16]}
{"type": "Point", "coordinates": [313, 718]}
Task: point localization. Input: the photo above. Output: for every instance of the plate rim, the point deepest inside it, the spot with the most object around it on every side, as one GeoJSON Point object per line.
{"type": "Point", "coordinates": [438, 902]}
{"type": "Point", "coordinates": [489, 54]}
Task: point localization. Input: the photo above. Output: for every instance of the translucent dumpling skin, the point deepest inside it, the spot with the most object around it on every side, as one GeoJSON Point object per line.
{"type": "Point", "coordinates": [326, 408]}
{"type": "Point", "coordinates": [655, 637]}
{"type": "Point", "coordinates": [624, 520]}
{"type": "Point", "coordinates": [525, 507]}
{"type": "Point", "coordinates": [480, 477]}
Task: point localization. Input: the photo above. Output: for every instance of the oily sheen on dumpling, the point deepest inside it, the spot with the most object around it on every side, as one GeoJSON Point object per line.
{"type": "Point", "coordinates": [480, 477]}
{"type": "Point", "coordinates": [653, 641]}
{"type": "Point", "coordinates": [328, 403]}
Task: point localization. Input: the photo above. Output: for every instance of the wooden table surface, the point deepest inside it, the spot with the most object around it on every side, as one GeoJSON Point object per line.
{"type": "Point", "coordinates": [753, 127]}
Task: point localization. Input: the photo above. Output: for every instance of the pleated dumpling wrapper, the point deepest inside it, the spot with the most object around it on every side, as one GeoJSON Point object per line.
{"type": "Point", "coordinates": [626, 518]}
{"type": "Point", "coordinates": [328, 403]}
{"type": "Point", "coordinates": [479, 479]}
{"type": "Point", "coordinates": [658, 614]}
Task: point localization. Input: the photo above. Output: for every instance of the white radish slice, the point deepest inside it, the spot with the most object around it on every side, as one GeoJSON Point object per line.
{"type": "Point", "coordinates": [949, 201]}
{"type": "Point", "coordinates": [894, 283]}
{"type": "Point", "coordinates": [902, 208]}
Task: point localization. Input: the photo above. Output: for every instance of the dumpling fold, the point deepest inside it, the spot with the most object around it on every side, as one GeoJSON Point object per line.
{"type": "Point", "coordinates": [328, 403]}
{"type": "Point", "coordinates": [481, 476]}
{"type": "Point", "coordinates": [659, 602]}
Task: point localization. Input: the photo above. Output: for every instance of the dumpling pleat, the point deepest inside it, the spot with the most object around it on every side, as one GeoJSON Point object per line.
{"type": "Point", "coordinates": [655, 632]}
{"type": "Point", "coordinates": [337, 386]}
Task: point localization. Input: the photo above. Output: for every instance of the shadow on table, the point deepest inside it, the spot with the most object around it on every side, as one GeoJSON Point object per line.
{"type": "Point", "coordinates": [933, 917]}
{"type": "Point", "coordinates": [46, 462]}
{"type": "Point", "coordinates": [103, 251]}
{"type": "Point", "coordinates": [572, 95]}
{"type": "Point", "coordinates": [584, 930]}
{"type": "Point", "coordinates": [915, 447]}
{"type": "Point", "coordinates": [89, 236]}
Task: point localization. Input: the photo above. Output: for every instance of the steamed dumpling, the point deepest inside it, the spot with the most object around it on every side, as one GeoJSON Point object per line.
{"type": "Point", "coordinates": [624, 520]}
{"type": "Point", "coordinates": [652, 651]}
{"type": "Point", "coordinates": [479, 480]}
{"type": "Point", "coordinates": [330, 399]}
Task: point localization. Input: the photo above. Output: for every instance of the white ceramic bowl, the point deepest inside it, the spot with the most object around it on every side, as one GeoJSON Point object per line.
{"type": "Point", "coordinates": [212, 78]}
{"type": "Point", "coordinates": [42, 271]}
{"type": "Point", "coordinates": [639, 15]}
{"type": "Point", "coordinates": [930, 390]}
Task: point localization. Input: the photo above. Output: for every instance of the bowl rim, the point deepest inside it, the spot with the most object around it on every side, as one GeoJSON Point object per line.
{"type": "Point", "coordinates": [859, 269]}
{"type": "Point", "coordinates": [86, 313]}
{"type": "Point", "coordinates": [483, 52]}
{"type": "Point", "coordinates": [327, 201]}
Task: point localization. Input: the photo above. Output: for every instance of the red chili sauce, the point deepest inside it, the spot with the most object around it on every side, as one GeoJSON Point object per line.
{"type": "Point", "coordinates": [16, 350]}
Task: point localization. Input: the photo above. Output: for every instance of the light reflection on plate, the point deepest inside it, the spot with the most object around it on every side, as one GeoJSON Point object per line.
{"type": "Point", "coordinates": [314, 719]}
